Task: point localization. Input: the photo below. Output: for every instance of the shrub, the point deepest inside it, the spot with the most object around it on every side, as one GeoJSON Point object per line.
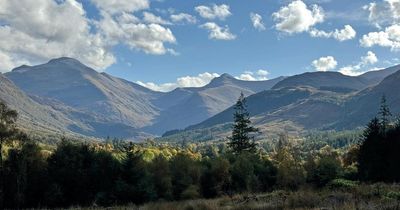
{"type": "Point", "coordinates": [343, 184]}
{"type": "Point", "coordinates": [393, 195]}
{"type": "Point", "coordinates": [192, 192]}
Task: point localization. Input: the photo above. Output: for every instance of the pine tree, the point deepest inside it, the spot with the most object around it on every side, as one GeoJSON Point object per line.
{"type": "Point", "coordinates": [241, 140]}
{"type": "Point", "coordinates": [385, 114]}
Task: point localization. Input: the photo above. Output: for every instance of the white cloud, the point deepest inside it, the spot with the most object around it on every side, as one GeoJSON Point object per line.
{"type": "Point", "coordinates": [214, 12]}
{"type": "Point", "coordinates": [118, 6]}
{"type": "Point", "coordinates": [217, 32]}
{"type": "Point", "coordinates": [365, 61]}
{"type": "Point", "coordinates": [7, 63]}
{"type": "Point", "coordinates": [370, 58]}
{"type": "Point", "coordinates": [162, 87]}
{"type": "Point", "coordinates": [201, 80]}
{"type": "Point", "coordinates": [297, 17]}
{"type": "Point", "coordinates": [183, 18]}
{"type": "Point", "coordinates": [259, 75]}
{"type": "Point", "coordinates": [149, 38]}
{"type": "Point", "coordinates": [197, 81]}
{"type": "Point", "coordinates": [151, 18]}
{"type": "Point", "coordinates": [246, 77]}
{"type": "Point", "coordinates": [385, 12]}
{"type": "Point", "coordinates": [390, 37]}
{"type": "Point", "coordinates": [257, 21]}
{"type": "Point", "coordinates": [262, 72]}
{"type": "Point", "coordinates": [187, 81]}
{"type": "Point", "coordinates": [50, 29]}
{"type": "Point", "coordinates": [41, 32]}
{"type": "Point", "coordinates": [325, 63]}
{"type": "Point", "coordinates": [344, 34]}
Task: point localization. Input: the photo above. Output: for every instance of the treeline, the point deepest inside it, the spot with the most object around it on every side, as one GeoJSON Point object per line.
{"type": "Point", "coordinates": [80, 175]}
{"type": "Point", "coordinates": [379, 152]}
{"type": "Point", "coordinates": [117, 174]}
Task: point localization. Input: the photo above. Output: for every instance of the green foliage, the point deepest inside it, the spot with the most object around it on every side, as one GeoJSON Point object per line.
{"type": "Point", "coordinates": [326, 168]}
{"type": "Point", "coordinates": [162, 178]}
{"type": "Point", "coordinates": [8, 119]}
{"type": "Point", "coordinates": [241, 141]}
{"type": "Point", "coordinates": [250, 173]}
{"type": "Point", "coordinates": [25, 176]}
{"type": "Point", "coordinates": [291, 173]}
{"type": "Point", "coordinates": [385, 114]}
{"type": "Point", "coordinates": [185, 173]}
{"type": "Point", "coordinates": [393, 195]}
{"type": "Point", "coordinates": [119, 173]}
{"type": "Point", "coordinates": [342, 184]}
{"type": "Point", "coordinates": [216, 178]}
{"type": "Point", "coordinates": [378, 157]}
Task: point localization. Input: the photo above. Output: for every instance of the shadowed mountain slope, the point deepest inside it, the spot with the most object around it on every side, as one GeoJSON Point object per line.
{"type": "Point", "coordinates": [101, 105]}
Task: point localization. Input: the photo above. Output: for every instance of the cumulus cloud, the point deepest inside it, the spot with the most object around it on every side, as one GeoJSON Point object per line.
{"type": "Point", "coordinates": [344, 34]}
{"type": "Point", "coordinates": [370, 58]}
{"type": "Point", "coordinates": [119, 6]}
{"type": "Point", "coordinates": [365, 61]}
{"type": "Point", "coordinates": [151, 18]}
{"type": "Point", "coordinates": [214, 11]}
{"type": "Point", "coordinates": [297, 17]}
{"type": "Point", "coordinates": [201, 80]}
{"type": "Point", "coordinates": [259, 75]}
{"type": "Point", "coordinates": [42, 32]}
{"type": "Point", "coordinates": [384, 12]}
{"type": "Point", "coordinates": [390, 37]}
{"type": "Point", "coordinates": [217, 32]}
{"type": "Point", "coordinates": [52, 29]}
{"type": "Point", "coordinates": [183, 18]}
{"type": "Point", "coordinates": [325, 63]}
{"type": "Point", "coordinates": [187, 81]}
{"type": "Point", "coordinates": [257, 21]}
{"type": "Point", "coordinates": [149, 38]}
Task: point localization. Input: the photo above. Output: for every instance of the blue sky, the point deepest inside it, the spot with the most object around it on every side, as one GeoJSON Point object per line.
{"type": "Point", "coordinates": [139, 40]}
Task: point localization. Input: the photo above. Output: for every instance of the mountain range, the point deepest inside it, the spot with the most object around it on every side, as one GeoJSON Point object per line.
{"type": "Point", "coordinates": [64, 96]}
{"type": "Point", "coordinates": [316, 101]}
{"type": "Point", "coordinates": [67, 96]}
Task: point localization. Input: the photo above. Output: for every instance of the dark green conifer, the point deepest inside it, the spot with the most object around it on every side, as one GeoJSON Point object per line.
{"type": "Point", "coordinates": [241, 139]}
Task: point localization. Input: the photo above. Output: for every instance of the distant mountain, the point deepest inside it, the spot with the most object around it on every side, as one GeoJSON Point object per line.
{"type": "Point", "coordinates": [326, 80]}
{"type": "Point", "coordinates": [287, 103]}
{"type": "Point", "coordinates": [315, 101]}
{"type": "Point", "coordinates": [66, 96]}
{"type": "Point", "coordinates": [100, 105]}
{"type": "Point", "coordinates": [193, 105]}
{"type": "Point", "coordinates": [364, 105]}
{"type": "Point", "coordinates": [105, 104]}
{"type": "Point", "coordinates": [375, 77]}
{"type": "Point", "coordinates": [32, 115]}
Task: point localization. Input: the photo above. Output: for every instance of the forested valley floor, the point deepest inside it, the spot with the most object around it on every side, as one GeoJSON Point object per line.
{"type": "Point", "coordinates": [330, 170]}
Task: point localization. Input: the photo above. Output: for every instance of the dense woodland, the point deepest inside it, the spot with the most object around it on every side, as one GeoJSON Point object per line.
{"type": "Point", "coordinates": [119, 173]}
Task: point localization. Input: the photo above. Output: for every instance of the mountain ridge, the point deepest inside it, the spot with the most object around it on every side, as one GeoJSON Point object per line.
{"type": "Point", "coordinates": [302, 104]}
{"type": "Point", "coordinates": [98, 104]}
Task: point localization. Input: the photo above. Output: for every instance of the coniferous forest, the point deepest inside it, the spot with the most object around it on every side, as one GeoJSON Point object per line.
{"type": "Point", "coordinates": [116, 173]}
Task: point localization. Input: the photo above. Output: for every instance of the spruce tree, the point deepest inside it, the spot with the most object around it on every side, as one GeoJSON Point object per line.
{"type": "Point", "coordinates": [241, 139]}
{"type": "Point", "coordinates": [384, 114]}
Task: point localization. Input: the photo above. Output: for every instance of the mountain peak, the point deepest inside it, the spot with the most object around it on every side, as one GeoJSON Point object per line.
{"type": "Point", "coordinates": [226, 76]}
{"type": "Point", "coordinates": [223, 79]}
{"type": "Point", "coordinates": [65, 60]}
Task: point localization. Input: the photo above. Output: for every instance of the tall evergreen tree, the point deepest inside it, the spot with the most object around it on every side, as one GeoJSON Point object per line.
{"type": "Point", "coordinates": [385, 114]}
{"type": "Point", "coordinates": [241, 139]}
{"type": "Point", "coordinates": [8, 118]}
